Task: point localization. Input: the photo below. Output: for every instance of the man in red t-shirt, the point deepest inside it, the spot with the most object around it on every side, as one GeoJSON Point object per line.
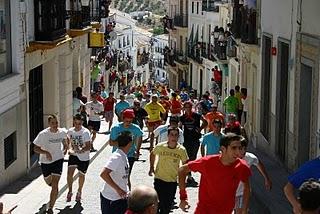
{"type": "Point", "coordinates": [217, 76]}
{"type": "Point", "coordinates": [176, 106]}
{"type": "Point", "coordinates": [220, 177]}
{"type": "Point", "coordinates": [166, 105]}
{"type": "Point", "coordinates": [108, 104]}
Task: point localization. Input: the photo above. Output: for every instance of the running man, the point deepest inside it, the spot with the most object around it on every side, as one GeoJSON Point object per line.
{"type": "Point", "coordinates": [79, 155]}
{"type": "Point", "coordinates": [212, 115]}
{"type": "Point", "coordinates": [192, 127]}
{"type": "Point", "coordinates": [95, 109]}
{"type": "Point", "coordinates": [250, 159]}
{"type": "Point", "coordinates": [108, 104]}
{"type": "Point", "coordinates": [48, 144]}
{"type": "Point", "coordinates": [115, 175]}
{"type": "Point", "coordinates": [220, 177]}
{"type": "Point", "coordinates": [120, 106]}
{"type": "Point", "coordinates": [170, 155]}
{"type": "Point", "coordinates": [161, 133]}
{"type": "Point", "coordinates": [154, 109]}
{"type": "Point", "coordinates": [136, 132]}
{"type": "Point", "coordinates": [210, 143]}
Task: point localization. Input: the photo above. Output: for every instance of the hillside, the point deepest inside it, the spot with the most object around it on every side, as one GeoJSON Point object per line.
{"type": "Point", "coordinates": [155, 6]}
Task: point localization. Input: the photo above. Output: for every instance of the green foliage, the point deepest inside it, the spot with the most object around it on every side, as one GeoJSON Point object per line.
{"type": "Point", "coordinates": [158, 30]}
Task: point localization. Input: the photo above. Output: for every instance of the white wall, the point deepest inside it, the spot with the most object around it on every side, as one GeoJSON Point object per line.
{"type": "Point", "coordinates": [310, 17]}
{"type": "Point", "coordinates": [278, 21]}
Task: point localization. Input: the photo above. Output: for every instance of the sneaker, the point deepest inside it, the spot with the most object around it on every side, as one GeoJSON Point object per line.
{"type": "Point", "coordinates": [93, 150]}
{"type": "Point", "coordinates": [50, 211]}
{"type": "Point", "coordinates": [191, 182]}
{"type": "Point", "coordinates": [78, 197]}
{"type": "Point", "coordinates": [69, 196]}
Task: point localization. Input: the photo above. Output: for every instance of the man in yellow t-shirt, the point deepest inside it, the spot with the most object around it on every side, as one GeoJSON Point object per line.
{"type": "Point", "coordinates": [170, 156]}
{"type": "Point", "coordinates": [154, 108]}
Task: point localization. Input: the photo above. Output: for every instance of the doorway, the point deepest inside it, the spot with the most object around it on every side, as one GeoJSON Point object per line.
{"type": "Point", "coordinates": [265, 87]}
{"type": "Point", "coordinates": [305, 97]}
{"type": "Point", "coordinates": [35, 104]}
{"type": "Point", "coordinates": [282, 98]}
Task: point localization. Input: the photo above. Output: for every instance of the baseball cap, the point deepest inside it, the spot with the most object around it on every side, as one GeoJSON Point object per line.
{"type": "Point", "coordinates": [128, 113]}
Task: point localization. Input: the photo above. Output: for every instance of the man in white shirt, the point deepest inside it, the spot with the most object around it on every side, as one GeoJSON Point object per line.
{"type": "Point", "coordinates": [79, 155]}
{"type": "Point", "coordinates": [48, 144]}
{"type": "Point", "coordinates": [251, 159]}
{"type": "Point", "coordinates": [115, 174]}
{"type": "Point", "coordinates": [161, 133]}
{"type": "Point", "coordinates": [95, 109]}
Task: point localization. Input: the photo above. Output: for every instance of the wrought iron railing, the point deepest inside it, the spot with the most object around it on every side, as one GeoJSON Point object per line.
{"type": "Point", "coordinates": [181, 20]}
{"type": "Point", "coordinates": [244, 24]}
{"type": "Point", "coordinates": [50, 19]}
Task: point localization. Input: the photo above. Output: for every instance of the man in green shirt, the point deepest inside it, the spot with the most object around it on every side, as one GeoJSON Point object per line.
{"type": "Point", "coordinates": [231, 103]}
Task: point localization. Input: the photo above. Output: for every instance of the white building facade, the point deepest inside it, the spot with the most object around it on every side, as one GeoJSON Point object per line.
{"type": "Point", "coordinates": [41, 65]}
{"type": "Point", "coordinates": [159, 45]}
{"type": "Point", "coordinates": [203, 18]}
{"type": "Point", "coordinates": [279, 66]}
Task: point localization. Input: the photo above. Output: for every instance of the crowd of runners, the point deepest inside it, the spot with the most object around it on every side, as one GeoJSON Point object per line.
{"type": "Point", "coordinates": [178, 125]}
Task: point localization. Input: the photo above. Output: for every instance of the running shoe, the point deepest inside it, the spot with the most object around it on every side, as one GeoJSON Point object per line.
{"type": "Point", "coordinates": [69, 196]}
{"type": "Point", "coordinates": [78, 197]}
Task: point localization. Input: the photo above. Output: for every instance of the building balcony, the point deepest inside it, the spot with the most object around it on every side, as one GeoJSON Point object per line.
{"type": "Point", "coordinates": [195, 53]}
{"type": "Point", "coordinates": [169, 57]}
{"type": "Point", "coordinates": [181, 21]}
{"type": "Point", "coordinates": [50, 19]}
{"type": "Point", "coordinates": [181, 58]}
{"type": "Point", "coordinates": [167, 23]}
{"type": "Point", "coordinates": [244, 24]}
{"type": "Point", "coordinates": [79, 15]}
{"type": "Point", "coordinates": [209, 6]}
{"type": "Point", "coordinates": [142, 59]}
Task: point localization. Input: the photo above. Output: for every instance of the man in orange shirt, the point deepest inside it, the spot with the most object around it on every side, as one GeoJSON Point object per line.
{"type": "Point", "coordinates": [211, 116]}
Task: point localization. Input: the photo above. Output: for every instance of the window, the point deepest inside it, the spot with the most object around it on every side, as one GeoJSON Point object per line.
{"type": "Point", "coordinates": [5, 41]}
{"type": "Point", "coordinates": [197, 7]}
{"type": "Point", "coordinates": [124, 41]}
{"type": "Point", "coordinates": [10, 150]}
{"type": "Point", "coordinates": [192, 7]}
{"type": "Point", "coordinates": [158, 72]}
{"type": "Point", "coordinates": [163, 75]}
{"type": "Point", "coordinates": [119, 43]}
{"type": "Point", "coordinates": [128, 40]}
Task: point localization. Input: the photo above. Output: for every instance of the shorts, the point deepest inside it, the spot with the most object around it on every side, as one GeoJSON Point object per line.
{"type": "Point", "coordinates": [95, 125]}
{"type": "Point", "coordinates": [192, 148]}
{"type": "Point", "coordinates": [82, 166]}
{"type": "Point", "coordinates": [153, 125]}
{"type": "Point", "coordinates": [238, 202]}
{"type": "Point", "coordinates": [54, 168]}
{"type": "Point", "coordinates": [109, 115]}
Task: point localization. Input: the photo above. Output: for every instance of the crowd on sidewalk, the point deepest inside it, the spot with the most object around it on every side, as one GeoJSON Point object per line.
{"type": "Point", "coordinates": [178, 125]}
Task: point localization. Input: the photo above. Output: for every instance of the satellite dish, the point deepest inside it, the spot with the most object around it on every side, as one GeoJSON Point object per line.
{"type": "Point", "coordinates": [113, 36]}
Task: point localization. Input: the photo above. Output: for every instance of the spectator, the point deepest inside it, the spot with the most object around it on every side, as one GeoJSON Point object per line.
{"type": "Point", "coordinates": [142, 200]}
{"type": "Point", "coordinates": [309, 170]}
{"type": "Point", "coordinates": [309, 197]}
